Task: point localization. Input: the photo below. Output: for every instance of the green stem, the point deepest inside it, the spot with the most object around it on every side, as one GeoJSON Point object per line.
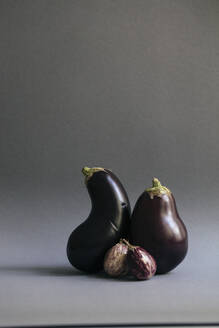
{"type": "Point", "coordinates": [86, 171]}
{"type": "Point", "coordinates": [89, 171]}
{"type": "Point", "coordinates": [157, 189]}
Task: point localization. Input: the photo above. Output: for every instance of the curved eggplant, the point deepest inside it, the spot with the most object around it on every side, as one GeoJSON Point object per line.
{"type": "Point", "coordinates": [157, 227]}
{"type": "Point", "coordinates": [107, 222]}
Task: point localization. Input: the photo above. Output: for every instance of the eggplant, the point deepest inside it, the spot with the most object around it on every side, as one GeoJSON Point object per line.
{"type": "Point", "coordinates": [157, 227]}
{"type": "Point", "coordinates": [108, 221]}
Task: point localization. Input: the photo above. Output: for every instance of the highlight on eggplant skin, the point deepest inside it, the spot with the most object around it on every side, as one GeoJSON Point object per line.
{"type": "Point", "coordinates": [157, 227]}
{"type": "Point", "coordinates": [108, 221]}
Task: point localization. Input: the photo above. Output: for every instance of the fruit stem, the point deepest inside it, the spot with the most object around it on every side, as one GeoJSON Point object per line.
{"type": "Point", "coordinates": [86, 170]}
{"type": "Point", "coordinates": [157, 189]}
{"type": "Point", "coordinates": [89, 171]}
{"type": "Point", "coordinates": [124, 241]}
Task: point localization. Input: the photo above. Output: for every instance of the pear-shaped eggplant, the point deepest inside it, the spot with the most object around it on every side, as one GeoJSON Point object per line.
{"type": "Point", "coordinates": [157, 227]}
{"type": "Point", "coordinates": [107, 222]}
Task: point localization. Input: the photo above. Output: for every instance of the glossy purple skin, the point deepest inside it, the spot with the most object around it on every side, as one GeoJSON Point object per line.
{"type": "Point", "coordinates": [157, 227]}
{"type": "Point", "coordinates": [108, 221]}
{"type": "Point", "coordinates": [141, 264]}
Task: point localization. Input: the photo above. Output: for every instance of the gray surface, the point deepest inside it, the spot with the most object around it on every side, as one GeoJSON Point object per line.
{"type": "Point", "coordinates": [38, 286]}
{"type": "Point", "coordinates": [127, 85]}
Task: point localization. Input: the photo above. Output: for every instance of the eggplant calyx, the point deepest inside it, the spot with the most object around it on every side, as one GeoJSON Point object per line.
{"type": "Point", "coordinates": [89, 171]}
{"type": "Point", "coordinates": [157, 189]}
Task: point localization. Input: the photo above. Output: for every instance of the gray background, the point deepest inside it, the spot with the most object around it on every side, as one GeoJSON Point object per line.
{"type": "Point", "coordinates": [127, 85]}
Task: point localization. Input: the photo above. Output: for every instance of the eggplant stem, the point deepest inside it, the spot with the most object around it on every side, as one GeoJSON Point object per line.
{"type": "Point", "coordinates": [157, 189]}
{"type": "Point", "coordinates": [124, 241]}
{"type": "Point", "coordinates": [89, 171]}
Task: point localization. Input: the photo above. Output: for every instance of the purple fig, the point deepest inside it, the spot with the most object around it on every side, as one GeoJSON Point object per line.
{"type": "Point", "coordinates": [141, 264]}
{"type": "Point", "coordinates": [115, 260]}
